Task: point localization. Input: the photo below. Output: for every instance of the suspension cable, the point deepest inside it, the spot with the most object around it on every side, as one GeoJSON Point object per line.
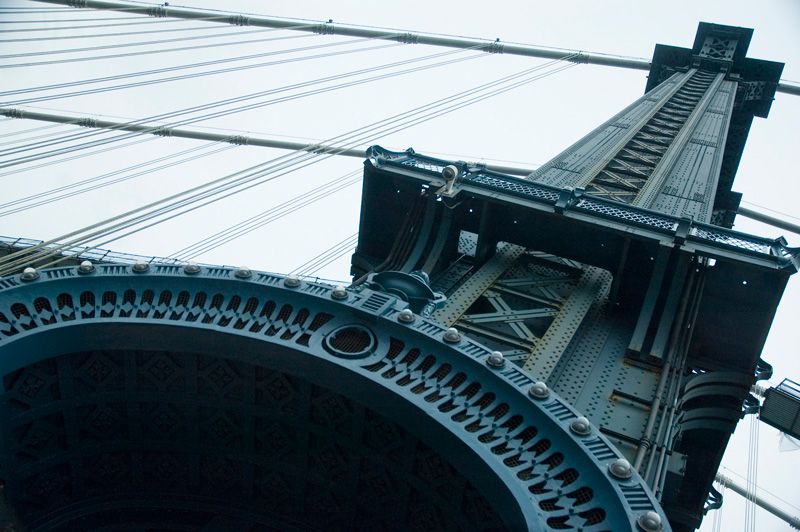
{"type": "Point", "coordinates": [124, 34]}
{"type": "Point", "coordinates": [207, 73]}
{"type": "Point", "coordinates": [133, 125]}
{"type": "Point", "coordinates": [66, 191]}
{"type": "Point", "coordinates": [50, 21]}
{"type": "Point", "coordinates": [245, 179]}
{"type": "Point", "coordinates": [265, 217]}
{"type": "Point", "coordinates": [318, 262]}
{"type": "Point", "coordinates": [133, 54]}
{"type": "Point", "coordinates": [154, 71]}
{"type": "Point", "coordinates": [358, 31]}
{"type": "Point", "coordinates": [137, 128]}
{"type": "Point", "coordinates": [150, 21]}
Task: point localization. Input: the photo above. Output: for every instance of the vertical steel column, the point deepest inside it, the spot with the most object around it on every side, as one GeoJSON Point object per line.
{"type": "Point", "coordinates": [648, 306]}
{"type": "Point", "coordinates": [651, 188]}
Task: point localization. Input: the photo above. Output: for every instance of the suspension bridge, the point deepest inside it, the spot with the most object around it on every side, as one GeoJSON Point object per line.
{"type": "Point", "coordinates": [151, 120]}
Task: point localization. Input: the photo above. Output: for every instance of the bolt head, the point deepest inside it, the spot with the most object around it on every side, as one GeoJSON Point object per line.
{"type": "Point", "coordinates": [581, 426]}
{"type": "Point", "coordinates": [86, 267]}
{"type": "Point", "coordinates": [339, 293]}
{"type": "Point", "coordinates": [621, 469]}
{"type": "Point", "coordinates": [406, 316]}
{"type": "Point", "coordinates": [291, 281]}
{"type": "Point", "coordinates": [539, 391]}
{"type": "Point", "coordinates": [29, 274]}
{"type": "Point", "coordinates": [243, 272]}
{"type": "Point", "coordinates": [650, 522]}
{"type": "Point", "coordinates": [191, 268]}
{"type": "Point", "coordinates": [452, 336]}
{"type": "Point", "coordinates": [140, 266]}
{"type": "Point", "coordinates": [496, 359]}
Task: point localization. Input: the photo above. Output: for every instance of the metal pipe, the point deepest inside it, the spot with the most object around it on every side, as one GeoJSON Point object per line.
{"type": "Point", "coordinates": [329, 28]}
{"type": "Point", "coordinates": [767, 219]}
{"type": "Point", "coordinates": [671, 391]}
{"type": "Point", "coordinates": [675, 331]}
{"type": "Point", "coordinates": [794, 522]}
{"type": "Point", "coordinates": [661, 471]}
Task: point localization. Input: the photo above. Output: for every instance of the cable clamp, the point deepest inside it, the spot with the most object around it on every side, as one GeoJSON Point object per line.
{"type": "Point", "coordinates": [579, 59]}
{"type": "Point", "coordinates": [157, 11]}
{"type": "Point", "coordinates": [87, 122]}
{"type": "Point", "coordinates": [408, 38]}
{"type": "Point", "coordinates": [77, 3]}
{"type": "Point", "coordinates": [14, 113]}
{"type": "Point", "coordinates": [163, 132]}
{"type": "Point", "coordinates": [495, 48]}
{"type": "Point", "coordinates": [324, 29]}
{"type": "Point", "coordinates": [240, 140]}
{"type": "Point", "coordinates": [239, 20]}
{"type": "Point", "coordinates": [319, 149]}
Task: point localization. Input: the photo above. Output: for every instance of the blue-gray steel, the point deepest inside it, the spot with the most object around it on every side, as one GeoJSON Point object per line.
{"type": "Point", "coordinates": [708, 239]}
{"type": "Point", "coordinates": [518, 452]}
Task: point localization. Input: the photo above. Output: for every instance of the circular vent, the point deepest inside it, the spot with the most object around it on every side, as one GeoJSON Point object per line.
{"type": "Point", "coordinates": [351, 341]}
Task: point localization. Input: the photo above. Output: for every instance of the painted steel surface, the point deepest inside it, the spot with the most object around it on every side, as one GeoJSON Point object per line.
{"type": "Point", "coordinates": [518, 453]}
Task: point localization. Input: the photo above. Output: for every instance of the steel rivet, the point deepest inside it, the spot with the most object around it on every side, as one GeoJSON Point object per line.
{"type": "Point", "coordinates": [496, 359]}
{"type": "Point", "coordinates": [191, 268]}
{"type": "Point", "coordinates": [291, 281]}
{"type": "Point", "coordinates": [451, 335]}
{"type": "Point", "coordinates": [621, 469]}
{"type": "Point", "coordinates": [539, 391]}
{"type": "Point", "coordinates": [406, 316]}
{"type": "Point", "coordinates": [581, 426]}
{"type": "Point", "coordinates": [86, 267]}
{"type": "Point", "coordinates": [650, 522]}
{"type": "Point", "coordinates": [29, 274]}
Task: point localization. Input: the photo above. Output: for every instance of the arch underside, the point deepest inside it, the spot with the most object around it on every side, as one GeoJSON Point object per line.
{"type": "Point", "coordinates": [165, 402]}
{"type": "Point", "coordinates": [157, 440]}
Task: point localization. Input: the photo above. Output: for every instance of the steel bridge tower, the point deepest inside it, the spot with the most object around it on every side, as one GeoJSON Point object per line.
{"type": "Point", "coordinates": [569, 351]}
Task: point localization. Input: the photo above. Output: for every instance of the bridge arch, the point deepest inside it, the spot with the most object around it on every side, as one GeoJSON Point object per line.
{"type": "Point", "coordinates": [211, 399]}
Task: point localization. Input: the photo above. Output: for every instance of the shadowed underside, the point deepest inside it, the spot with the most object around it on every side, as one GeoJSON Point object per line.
{"type": "Point", "coordinates": [167, 401]}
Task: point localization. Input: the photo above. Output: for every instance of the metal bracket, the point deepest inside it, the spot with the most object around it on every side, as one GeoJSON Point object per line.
{"type": "Point", "coordinates": [682, 231]}
{"type": "Point", "coordinates": [569, 197]}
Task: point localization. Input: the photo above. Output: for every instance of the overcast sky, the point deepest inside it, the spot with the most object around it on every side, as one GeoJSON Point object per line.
{"type": "Point", "coordinates": [524, 127]}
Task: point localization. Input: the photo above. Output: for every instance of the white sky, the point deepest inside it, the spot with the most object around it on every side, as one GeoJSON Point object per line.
{"type": "Point", "coordinates": [525, 127]}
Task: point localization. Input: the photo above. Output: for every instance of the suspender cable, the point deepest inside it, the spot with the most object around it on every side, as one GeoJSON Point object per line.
{"type": "Point", "coordinates": [249, 140]}
{"type": "Point", "coordinates": [90, 26]}
{"type": "Point", "coordinates": [129, 44]}
{"type": "Point", "coordinates": [278, 167]}
{"type": "Point", "coordinates": [148, 168]}
{"type": "Point", "coordinates": [150, 21]}
{"type": "Point", "coordinates": [202, 74]}
{"type": "Point", "coordinates": [159, 71]}
{"type": "Point", "coordinates": [69, 19]}
{"type": "Point", "coordinates": [357, 31]}
{"type": "Point", "coordinates": [132, 54]}
{"type": "Point", "coordinates": [165, 130]}
{"type": "Point", "coordinates": [265, 217]}
{"type": "Point", "coordinates": [404, 37]}
{"type": "Point", "coordinates": [326, 257]}
{"type": "Point", "coordinates": [245, 179]}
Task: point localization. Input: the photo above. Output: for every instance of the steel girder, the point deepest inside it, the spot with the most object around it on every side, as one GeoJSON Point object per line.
{"type": "Point", "coordinates": [153, 386]}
